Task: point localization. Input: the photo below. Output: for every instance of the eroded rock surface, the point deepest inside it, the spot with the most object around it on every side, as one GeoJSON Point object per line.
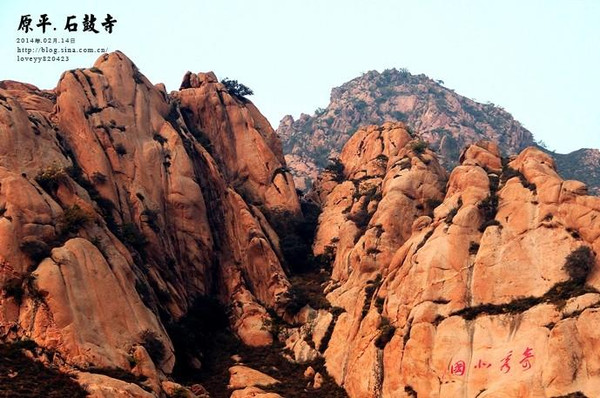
{"type": "Point", "coordinates": [124, 209]}
{"type": "Point", "coordinates": [122, 205]}
{"type": "Point", "coordinates": [474, 293]}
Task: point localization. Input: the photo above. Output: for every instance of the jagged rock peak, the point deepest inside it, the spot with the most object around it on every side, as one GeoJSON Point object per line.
{"type": "Point", "coordinates": [122, 211]}
{"type": "Point", "coordinates": [195, 80]}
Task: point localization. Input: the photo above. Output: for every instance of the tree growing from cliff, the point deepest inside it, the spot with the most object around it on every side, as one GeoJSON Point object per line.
{"type": "Point", "coordinates": [236, 89]}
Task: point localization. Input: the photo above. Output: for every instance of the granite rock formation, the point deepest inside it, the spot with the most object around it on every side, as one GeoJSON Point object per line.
{"type": "Point", "coordinates": [116, 218]}
{"type": "Point", "coordinates": [445, 119]}
{"type": "Point", "coordinates": [481, 283]}
{"type": "Point", "coordinates": [134, 223]}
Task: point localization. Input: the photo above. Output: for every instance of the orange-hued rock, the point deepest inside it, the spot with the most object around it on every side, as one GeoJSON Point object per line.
{"type": "Point", "coordinates": [453, 304]}
{"type": "Point", "coordinates": [367, 218]}
{"type": "Point", "coordinates": [124, 211]}
{"type": "Point", "coordinates": [70, 282]}
{"type": "Point", "coordinates": [243, 142]}
{"type": "Point", "coordinates": [242, 376]}
{"type": "Point", "coordinates": [253, 392]}
{"type": "Point", "coordinates": [115, 210]}
{"type": "Point", "coordinates": [100, 386]}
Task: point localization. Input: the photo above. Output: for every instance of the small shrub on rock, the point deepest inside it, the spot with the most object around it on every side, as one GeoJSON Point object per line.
{"type": "Point", "coordinates": [73, 218]}
{"type": "Point", "coordinates": [236, 89]}
{"type": "Point", "coordinates": [51, 177]}
{"type": "Point", "coordinates": [386, 333]}
{"type": "Point", "coordinates": [579, 264]}
{"type": "Point", "coordinates": [419, 146]}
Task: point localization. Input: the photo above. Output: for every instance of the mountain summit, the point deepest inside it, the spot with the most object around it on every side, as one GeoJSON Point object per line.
{"type": "Point", "coordinates": [443, 118]}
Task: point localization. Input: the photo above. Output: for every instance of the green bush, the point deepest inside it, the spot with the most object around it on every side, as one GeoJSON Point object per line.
{"type": "Point", "coordinates": [51, 177]}
{"type": "Point", "coordinates": [72, 219]}
{"type": "Point", "coordinates": [579, 264]}
{"type": "Point", "coordinates": [410, 391]}
{"type": "Point", "coordinates": [488, 223]}
{"type": "Point", "coordinates": [98, 178]}
{"type": "Point", "coordinates": [151, 218]}
{"type": "Point", "coordinates": [382, 158]}
{"type": "Point", "coordinates": [509, 172]}
{"type": "Point", "coordinates": [489, 207]}
{"type": "Point", "coordinates": [360, 105]}
{"type": "Point", "coordinates": [386, 332]}
{"type": "Point", "coordinates": [180, 392]}
{"type": "Point", "coordinates": [399, 116]}
{"type": "Point", "coordinates": [336, 168]}
{"type": "Point", "coordinates": [131, 235]}
{"type": "Point", "coordinates": [236, 89]}
{"type": "Point", "coordinates": [137, 76]}
{"type": "Point", "coordinates": [404, 73]}
{"type": "Point", "coordinates": [451, 214]}
{"type": "Point", "coordinates": [419, 146]}
{"type": "Point", "coordinates": [370, 289]}
{"type": "Point", "coordinates": [373, 250]}
{"type": "Point", "coordinates": [30, 378]}
{"type": "Point", "coordinates": [319, 112]}
{"type": "Point", "coordinates": [432, 203]}
{"type": "Point", "coordinates": [159, 138]}
{"type": "Point", "coordinates": [307, 289]}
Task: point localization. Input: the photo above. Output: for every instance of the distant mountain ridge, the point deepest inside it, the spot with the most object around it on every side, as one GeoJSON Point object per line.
{"type": "Point", "coordinates": [582, 164]}
{"type": "Point", "coordinates": [440, 116]}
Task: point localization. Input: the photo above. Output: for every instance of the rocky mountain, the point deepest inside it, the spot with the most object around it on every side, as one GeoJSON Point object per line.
{"type": "Point", "coordinates": [480, 283]}
{"type": "Point", "coordinates": [152, 244]}
{"type": "Point", "coordinates": [125, 213]}
{"type": "Point", "coordinates": [583, 165]}
{"type": "Point", "coordinates": [443, 118]}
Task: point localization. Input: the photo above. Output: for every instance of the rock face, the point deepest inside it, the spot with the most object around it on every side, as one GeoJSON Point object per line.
{"type": "Point", "coordinates": [583, 165]}
{"type": "Point", "coordinates": [241, 140]}
{"type": "Point", "coordinates": [124, 210]}
{"type": "Point", "coordinates": [481, 284]}
{"type": "Point", "coordinates": [445, 119]}
{"type": "Point", "coordinates": [121, 205]}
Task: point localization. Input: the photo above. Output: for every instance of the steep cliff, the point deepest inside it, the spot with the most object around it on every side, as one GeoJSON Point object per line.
{"type": "Point", "coordinates": [484, 285]}
{"type": "Point", "coordinates": [152, 240]}
{"type": "Point", "coordinates": [122, 206]}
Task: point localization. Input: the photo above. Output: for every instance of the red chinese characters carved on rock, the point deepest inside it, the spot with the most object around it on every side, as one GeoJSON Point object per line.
{"type": "Point", "coordinates": [458, 368]}
{"type": "Point", "coordinates": [527, 355]}
{"type": "Point", "coordinates": [482, 364]}
{"type": "Point", "coordinates": [505, 368]}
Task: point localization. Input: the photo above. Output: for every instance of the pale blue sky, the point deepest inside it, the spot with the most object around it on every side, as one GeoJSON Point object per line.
{"type": "Point", "coordinates": [540, 60]}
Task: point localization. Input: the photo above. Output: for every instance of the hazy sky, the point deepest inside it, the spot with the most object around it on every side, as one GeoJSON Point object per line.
{"type": "Point", "coordinates": [540, 60]}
